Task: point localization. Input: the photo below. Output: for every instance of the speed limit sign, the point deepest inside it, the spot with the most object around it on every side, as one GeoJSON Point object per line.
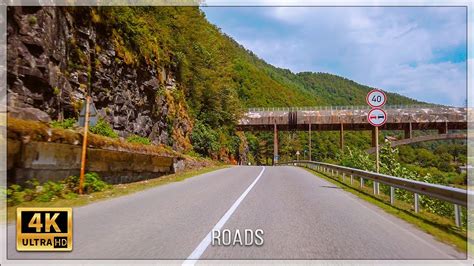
{"type": "Point", "coordinates": [376, 98]}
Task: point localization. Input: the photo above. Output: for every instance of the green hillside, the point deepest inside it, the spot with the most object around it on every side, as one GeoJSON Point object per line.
{"type": "Point", "coordinates": [211, 66]}
{"type": "Point", "coordinates": [217, 77]}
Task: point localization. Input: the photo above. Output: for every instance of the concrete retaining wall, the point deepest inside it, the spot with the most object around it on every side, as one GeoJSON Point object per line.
{"type": "Point", "coordinates": [55, 161]}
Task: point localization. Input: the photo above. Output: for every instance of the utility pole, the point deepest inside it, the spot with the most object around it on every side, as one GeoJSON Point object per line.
{"type": "Point", "coordinates": [84, 147]}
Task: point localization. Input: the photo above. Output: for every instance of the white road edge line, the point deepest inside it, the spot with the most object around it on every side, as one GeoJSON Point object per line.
{"type": "Point", "coordinates": [191, 260]}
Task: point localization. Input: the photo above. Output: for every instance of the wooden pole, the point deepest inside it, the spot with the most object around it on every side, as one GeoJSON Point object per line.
{"type": "Point", "coordinates": [84, 147]}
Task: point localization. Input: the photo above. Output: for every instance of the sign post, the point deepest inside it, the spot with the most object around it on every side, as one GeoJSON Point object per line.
{"type": "Point", "coordinates": [84, 146]}
{"type": "Point", "coordinates": [376, 117]}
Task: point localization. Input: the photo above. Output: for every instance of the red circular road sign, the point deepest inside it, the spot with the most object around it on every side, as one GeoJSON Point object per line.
{"type": "Point", "coordinates": [377, 117]}
{"type": "Point", "coordinates": [376, 98]}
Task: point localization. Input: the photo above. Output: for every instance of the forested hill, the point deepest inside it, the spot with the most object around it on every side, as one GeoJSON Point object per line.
{"type": "Point", "coordinates": [163, 73]}
{"type": "Point", "coordinates": [212, 68]}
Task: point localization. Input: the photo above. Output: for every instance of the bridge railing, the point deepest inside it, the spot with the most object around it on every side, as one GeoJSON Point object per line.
{"type": "Point", "coordinates": [449, 194]}
{"type": "Point", "coordinates": [347, 107]}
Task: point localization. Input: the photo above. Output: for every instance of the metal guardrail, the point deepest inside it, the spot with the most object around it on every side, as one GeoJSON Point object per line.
{"type": "Point", "coordinates": [348, 107]}
{"type": "Point", "coordinates": [449, 194]}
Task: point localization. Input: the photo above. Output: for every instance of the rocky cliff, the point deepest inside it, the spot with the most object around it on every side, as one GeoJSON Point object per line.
{"type": "Point", "coordinates": [57, 55]}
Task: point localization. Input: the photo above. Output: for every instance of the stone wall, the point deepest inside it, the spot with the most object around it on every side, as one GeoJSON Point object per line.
{"type": "Point", "coordinates": [56, 161]}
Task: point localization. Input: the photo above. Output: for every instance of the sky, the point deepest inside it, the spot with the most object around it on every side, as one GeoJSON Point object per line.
{"type": "Point", "coordinates": [419, 52]}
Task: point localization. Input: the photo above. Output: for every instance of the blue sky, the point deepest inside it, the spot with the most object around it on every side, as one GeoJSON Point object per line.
{"type": "Point", "coordinates": [419, 52]}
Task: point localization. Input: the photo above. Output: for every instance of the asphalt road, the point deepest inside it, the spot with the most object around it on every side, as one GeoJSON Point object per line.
{"type": "Point", "coordinates": [302, 216]}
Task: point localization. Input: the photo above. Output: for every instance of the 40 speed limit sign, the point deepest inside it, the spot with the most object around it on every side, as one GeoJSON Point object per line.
{"type": "Point", "coordinates": [376, 98]}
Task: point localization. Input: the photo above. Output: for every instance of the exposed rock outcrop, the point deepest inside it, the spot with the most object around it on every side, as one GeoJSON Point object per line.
{"type": "Point", "coordinates": [56, 55]}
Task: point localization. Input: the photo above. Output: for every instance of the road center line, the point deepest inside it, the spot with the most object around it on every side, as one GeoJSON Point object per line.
{"type": "Point", "coordinates": [191, 260]}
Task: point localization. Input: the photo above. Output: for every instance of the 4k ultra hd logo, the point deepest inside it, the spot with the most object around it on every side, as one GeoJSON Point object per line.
{"type": "Point", "coordinates": [44, 229]}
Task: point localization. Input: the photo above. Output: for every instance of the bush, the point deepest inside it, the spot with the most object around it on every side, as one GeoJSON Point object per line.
{"type": "Point", "coordinates": [138, 139]}
{"type": "Point", "coordinates": [92, 183]}
{"type": "Point", "coordinates": [50, 190]}
{"type": "Point", "coordinates": [103, 128]}
{"type": "Point", "coordinates": [65, 124]}
{"type": "Point", "coordinates": [204, 139]}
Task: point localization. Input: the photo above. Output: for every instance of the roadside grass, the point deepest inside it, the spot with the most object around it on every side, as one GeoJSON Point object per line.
{"type": "Point", "coordinates": [442, 228]}
{"type": "Point", "coordinates": [113, 192]}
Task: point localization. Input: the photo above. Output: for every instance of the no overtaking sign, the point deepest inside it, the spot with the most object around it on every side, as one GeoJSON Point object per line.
{"type": "Point", "coordinates": [377, 117]}
{"type": "Point", "coordinates": [376, 99]}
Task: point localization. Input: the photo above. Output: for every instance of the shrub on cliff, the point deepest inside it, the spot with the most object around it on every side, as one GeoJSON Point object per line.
{"type": "Point", "coordinates": [138, 139]}
{"type": "Point", "coordinates": [65, 124]}
{"type": "Point", "coordinates": [103, 128]}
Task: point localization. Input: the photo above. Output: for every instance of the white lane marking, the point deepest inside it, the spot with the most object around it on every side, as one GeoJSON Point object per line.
{"type": "Point", "coordinates": [191, 260]}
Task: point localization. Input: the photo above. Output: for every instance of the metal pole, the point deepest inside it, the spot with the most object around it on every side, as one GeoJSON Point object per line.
{"type": "Point", "coordinates": [457, 215]}
{"type": "Point", "coordinates": [376, 184]}
{"type": "Point", "coordinates": [84, 147]}
{"type": "Point", "coordinates": [352, 180]}
{"type": "Point", "coordinates": [417, 207]}
{"type": "Point", "coordinates": [361, 182]}
{"type": "Point", "coordinates": [392, 195]}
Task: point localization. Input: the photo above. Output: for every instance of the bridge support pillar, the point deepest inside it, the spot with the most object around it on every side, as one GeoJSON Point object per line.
{"type": "Point", "coordinates": [309, 135]}
{"type": "Point", "coordinates": [443, 129]}
{"type": "Point", "coordinates": [275, 144]}
{"type": "Point", "coordinates": [408, 132]}
{"type": "Point", "coordinates": [341, 137]}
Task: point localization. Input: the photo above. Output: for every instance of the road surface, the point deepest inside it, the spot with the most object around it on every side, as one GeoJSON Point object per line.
{"type": "Point", "coordinates": [302, 217]}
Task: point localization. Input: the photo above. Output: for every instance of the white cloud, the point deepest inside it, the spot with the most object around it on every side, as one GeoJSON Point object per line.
{"type": "Point", "coordinates": [405, 50]}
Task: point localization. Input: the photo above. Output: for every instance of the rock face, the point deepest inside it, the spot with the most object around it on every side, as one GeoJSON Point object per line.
{"type": "Point", "coordinates": [56, 55]}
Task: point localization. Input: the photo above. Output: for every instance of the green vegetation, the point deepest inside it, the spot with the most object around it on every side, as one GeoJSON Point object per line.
{"type": "Point", "coordinates": [104, 129]}
{"type": "Point", "coordinates": [110, 191]}
{"type": "Point", "coordinates": [65, 124]}
{"type": "Point", "coordinates": [32, 20]}
{"type": "Point", "coordinates": [217, 77]}
{"type": "Point", "coordinates": [50, 190]}
{"type": "Point", "coordinates": [138, 139]}
{"type": "Point", "coordinates": [390, 165]}
{"type": "Point", "coordinates": [442, 228]}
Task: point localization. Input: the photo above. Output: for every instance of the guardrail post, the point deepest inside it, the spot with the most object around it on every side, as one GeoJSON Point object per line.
{"type": "Point", "coordinates": [352, 180]}
{"type": "Point", "coordinates": [392, 195]}
{"type": "Point", "coordinates": [417, 207]}
{"type": "Point", "coordinates": [343, 177]}
{"type": "Point", "coordinates": [375, 187]}
{"type": "Point", "coordinates": [361, 182]}
{"type": "Point", "coordinates": [457, 215]}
